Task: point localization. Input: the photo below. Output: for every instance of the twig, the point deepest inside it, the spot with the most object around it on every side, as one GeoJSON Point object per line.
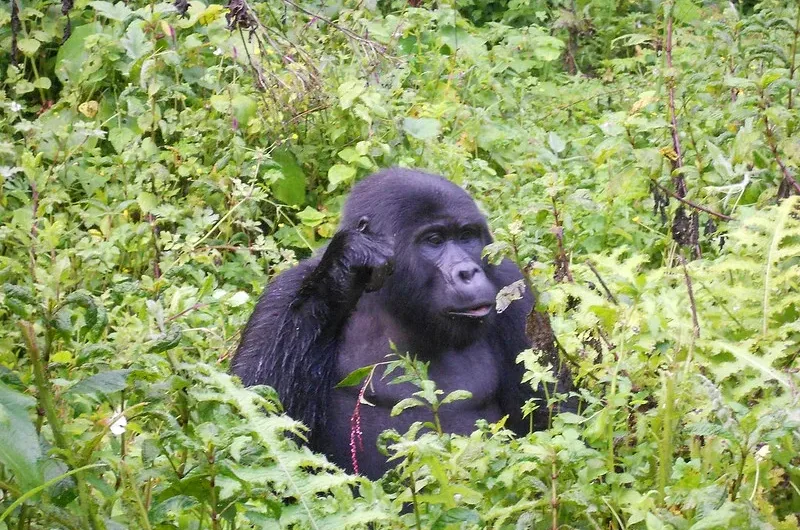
{"type": "Point", "coordinates": [773, 146]}
{"type": "Point", "coordinates": [687, 202]}
{"type": "Point", "coordinates": [603, 283]}
{"type": "Point", "coordinates": [692, 304]}
{"type": "Point", "coordinates": [332, 24]}
{"type": "Point", "coordinates": [187, 310]}
{"type": "Point", "coordinates": [582, 100]}
{"type": "Point", "coordinates": [793, 65]}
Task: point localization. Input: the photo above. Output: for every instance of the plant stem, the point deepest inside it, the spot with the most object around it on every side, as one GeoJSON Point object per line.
{"type": "Point", "coordinates": [793, 64]}
{"type": "Point", "coordinates": [554, 493]}
{"type": "Point", "coordinates": [47, 403]}
{"type": "Point", "coordinates": [665, 449]}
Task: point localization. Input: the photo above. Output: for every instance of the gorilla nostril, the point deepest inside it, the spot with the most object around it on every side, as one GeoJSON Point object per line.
{"type": "Point", "coordinates": [465, 274]}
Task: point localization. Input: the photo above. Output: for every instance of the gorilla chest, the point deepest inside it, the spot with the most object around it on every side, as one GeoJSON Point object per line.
{"type": "Point", "coordinates": [474, 368]}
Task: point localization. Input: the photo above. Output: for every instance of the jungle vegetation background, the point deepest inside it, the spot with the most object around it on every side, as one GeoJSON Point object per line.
{"type": "Point", "coordinates": [160, 162]}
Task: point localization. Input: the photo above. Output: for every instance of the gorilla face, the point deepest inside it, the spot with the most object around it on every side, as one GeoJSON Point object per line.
{"type": "Point", "coordinates": [451, 254]}
{"type": "Point", "coordinates": [440, 288]}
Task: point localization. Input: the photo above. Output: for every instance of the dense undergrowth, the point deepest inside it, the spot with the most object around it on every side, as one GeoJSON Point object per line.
{"type": "Point", "coordinates": [638, 159]}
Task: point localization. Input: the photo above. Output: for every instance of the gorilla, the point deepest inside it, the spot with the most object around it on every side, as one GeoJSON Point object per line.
{"type": "Point", "coordinates": [404, 268]}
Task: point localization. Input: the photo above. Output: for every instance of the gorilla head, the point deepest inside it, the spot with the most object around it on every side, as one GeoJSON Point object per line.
{"type": "Point", "coordinates": [439, 286]}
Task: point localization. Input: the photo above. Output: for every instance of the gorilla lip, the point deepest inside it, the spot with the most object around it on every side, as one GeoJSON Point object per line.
{"type": "Point", "coordinates": [478, 311]}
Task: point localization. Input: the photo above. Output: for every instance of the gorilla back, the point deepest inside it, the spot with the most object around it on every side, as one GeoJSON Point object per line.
{"type": "Point", "coordinates": [405, 266]}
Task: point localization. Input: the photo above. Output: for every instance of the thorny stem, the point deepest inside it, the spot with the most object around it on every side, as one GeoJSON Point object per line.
{"type": "Point", "coordinates": [213, 488]}
{"type": "Point", "coordinates": [47, 402]}
{"type": "Point", "coordinates": [414, 500]}
{"type": "Point", "coordinates": [144, 519]}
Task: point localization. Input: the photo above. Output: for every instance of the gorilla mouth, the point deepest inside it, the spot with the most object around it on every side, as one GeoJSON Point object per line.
{"type": "Point", "coordinates": [478, 311]}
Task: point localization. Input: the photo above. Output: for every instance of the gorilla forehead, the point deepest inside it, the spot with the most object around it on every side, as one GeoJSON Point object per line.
{"type": "Point", "coordinates": [399, 199]}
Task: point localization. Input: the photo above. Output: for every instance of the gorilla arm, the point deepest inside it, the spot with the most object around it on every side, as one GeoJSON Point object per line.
{"type": "Point", "coordinates": [289, 342]}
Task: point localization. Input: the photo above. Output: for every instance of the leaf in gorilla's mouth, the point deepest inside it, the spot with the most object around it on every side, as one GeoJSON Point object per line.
{"type": "Point", "coordinates": [478, 311]}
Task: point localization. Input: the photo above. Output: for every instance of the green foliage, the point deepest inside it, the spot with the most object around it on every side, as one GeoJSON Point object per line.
{"type": "Point", "coordinates": [157, 169]}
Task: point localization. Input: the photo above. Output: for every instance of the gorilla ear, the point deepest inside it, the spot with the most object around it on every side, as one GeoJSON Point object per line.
{"type": "Point", "coordinates": [363, 224]}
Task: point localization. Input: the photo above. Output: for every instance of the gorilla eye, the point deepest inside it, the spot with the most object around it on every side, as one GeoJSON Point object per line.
{"type": "Point", "coordinates": [468, 234]}
{"type": "Point", "coordinates": [435, 239]}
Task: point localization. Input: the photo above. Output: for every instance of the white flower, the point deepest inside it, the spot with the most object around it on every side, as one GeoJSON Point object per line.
{"type": "Point", "coordinates": [15, 107]}
{"type": "Point", "coordinates": [8, 171]}
{"type": "Point", "coordinates": [118, 423]}
{"type": "Point", "coordinates": [218, 51]}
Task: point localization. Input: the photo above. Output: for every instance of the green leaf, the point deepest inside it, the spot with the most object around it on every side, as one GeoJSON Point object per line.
{"type": "Point", "coordinates": [73, 53]}
{"type": "Point", "coordinates": [310, 216]}
{"type": "Point", "coordinates": [167, 340]}
{"type": "Point", "coordinates": [349, 91]}
{"type": "Point", "coordinates": [244, 108]}
{"type": "Point", "coordinates": [43, 82]}
{"type": "Point", "coordinates": [19, 444]}
{"type": "Point", "coordinates": [147, 201]}
{"type": "Point", "coordinates": [557, 145]}
{"type": "Point", "coordinates": [406, 403]}
{"type": "Point", "coordinates": [121, 138]}
{"type": "Point", "coordinates": [686, 12]}
{"type": "Point", "coordinates": [338, 174]}
{"type": "Point", "coordinates": [291, 188]}
{"type": "Point", "coordinates": [135, 43]}
{"type": "Point", "coordinates": [102, 383]}
{"type": "Point", "coordinates": [456, 395]}
{"type": "Point", "coordinates": [28, 46]}
{"type": "Point", "coordinates": [422, 128]}
{"type": "Point", "coordinates": [356, 376]}
{"type": "Point", "coordinates": [118, 11]}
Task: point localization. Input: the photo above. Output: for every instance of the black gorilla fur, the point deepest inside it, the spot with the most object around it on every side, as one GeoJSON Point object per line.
{"type": "Point", "coordinates": [339, 311]}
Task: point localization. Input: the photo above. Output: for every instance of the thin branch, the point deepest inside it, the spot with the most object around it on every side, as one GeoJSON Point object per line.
{"type": "Point", "coordinates": [603, 283]}
{"type": "Point", "coordinates": [687, 202]}
{"type": "Point", "coordinates": [692, 304]}
{"type": "Point", "coordinates": [773, 146]}
{"type": "Point", "coordinates": [677, 162]}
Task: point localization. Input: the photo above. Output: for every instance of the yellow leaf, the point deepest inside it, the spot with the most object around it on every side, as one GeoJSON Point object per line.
{"type": "Point", "coordinates": [210, 14]}
{"type": "Point", "coordinates": [88, 108]}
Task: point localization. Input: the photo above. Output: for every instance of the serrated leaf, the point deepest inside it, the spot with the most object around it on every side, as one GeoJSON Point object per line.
{"type": "Point", "coordinates": [135, 42]}
{"type": "Point", "coordinates": [167, 340]}
{"type": "Point", "coordinates": [349, 91]}
{"type": "Point", "coordinates": [102, 383]}
{"type": "Point", "coordinates": [19, 444]}
{"type": "Point", "coordinates": [146, 201]}
{"type": "Point", "coordinates": [118, 11]}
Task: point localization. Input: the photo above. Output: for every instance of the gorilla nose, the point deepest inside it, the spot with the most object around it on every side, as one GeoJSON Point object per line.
{"type": "Point", "coordinates": [465, 272]}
